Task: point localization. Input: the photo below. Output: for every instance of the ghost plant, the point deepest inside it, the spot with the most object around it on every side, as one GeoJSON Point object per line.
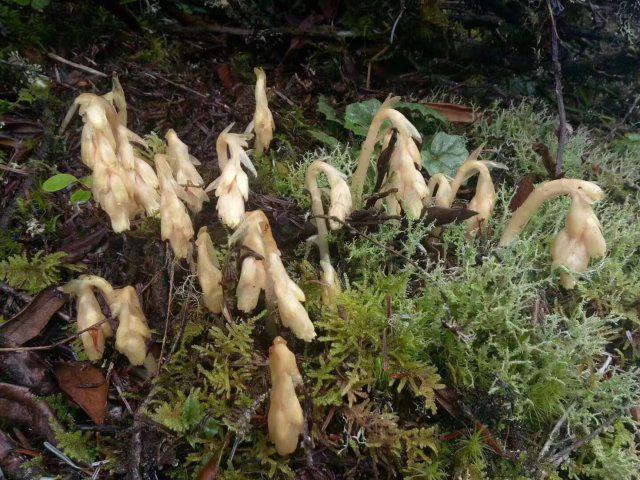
{"type": "Point", "coordinates": [285, 419]}
{"type": "Point", "coordinates": [262, 122]}
{"type": "Point", "coordinates": [339, 207]}
{"type": "Point", "coordinates": [175, 223]}
{"type": "Point", "coordinates": [406, 185]}
{"type": "Point", "coordinates": [262, 269]}
{"type": "Point", "coordinates": [89, 314]}
{"type": "Point", "coordinates": [132, 332]}
{"type": "Point", "coordinates": [440, 192]}
{"type": "Point", "coordinates": [123, 184]}
{"type": "Point", "coordinates": [232, 186]}
{"type": "Point", "coordinates": [485, 194]}
{"type": "Point", "coordinates": [183, 168]}
{"type": "Point", "coordinates": [209, 274]}
{"type": "Point", "coordinates": [581, 238]}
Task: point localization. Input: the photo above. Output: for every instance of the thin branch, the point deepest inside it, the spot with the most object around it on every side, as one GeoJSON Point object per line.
{"type": "Point", "coordinates": [561, 456]}
{"type": "Point", "coordinates": [59, 343]}
{"type": "Point", "coordinates": [84, 68]}
{"type": "Point", "coordinates": [554, 432]}
{"type": "Point", "coordinates": [373, 240]}
{"type": "Point", "coordinates": [557, 75]}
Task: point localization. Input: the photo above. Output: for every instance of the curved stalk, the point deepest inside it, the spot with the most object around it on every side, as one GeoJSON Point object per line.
{"type": "Point", "coordinates": [399, 121]}
{"type": "Point", "coordinates": [443, 196]}
{"type": "Point", "coordinates": [331, 287]}
{"type": "Point", "coordinates": [542, 193]}
{"type": "Point", "coordinates": [484, 198]}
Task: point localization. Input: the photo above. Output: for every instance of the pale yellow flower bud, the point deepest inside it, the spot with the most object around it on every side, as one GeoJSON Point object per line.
{"type": "Point", "coordinates": [209, 274]}
{"type": "Point", "coordinates": [175, 223]}
{"type": "Point", "coordinates": [263, 123]}
{"type": "Point", "coordinates": [89, 313]}
{"type": "Point", "coordinates": [285, 419]}
{"type": "Point", "coordinates": [580, 240]}
{"type": "Point", "coordinates": [132, 332]}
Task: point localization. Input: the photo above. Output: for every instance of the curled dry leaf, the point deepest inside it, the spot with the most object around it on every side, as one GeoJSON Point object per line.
{"type": "Point", "coordinates": [15, 401]}
{"type": "Point", "coordinates": [453, 113]}
{"type": "Point", "coordinates": [30, 321]}
{"type": "Point", "coordinates": [444, 215]}
{"type": "Point", "coordinates": [525, 187]}
{"type": "Point", "coordinates": [86, 386]}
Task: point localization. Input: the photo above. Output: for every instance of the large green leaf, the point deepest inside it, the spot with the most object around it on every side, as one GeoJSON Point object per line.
{"type": "Point", "coordinates": [445, 154]}
{"type": "Point", "coordinates": [58, 182]}
{"type": "Point", "coordinates": [327, 110]}
{"type": "Point", "coordinates": [358, 116]}
{"type": "Point", "coordinates": [323, 138]}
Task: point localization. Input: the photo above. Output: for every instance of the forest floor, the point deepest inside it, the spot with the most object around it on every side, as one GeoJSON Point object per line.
{"type": "Point", "coordinates": [444, 358]}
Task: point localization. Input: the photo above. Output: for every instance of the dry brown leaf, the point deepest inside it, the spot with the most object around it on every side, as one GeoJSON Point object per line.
{"type": "Point", "coordinates": [453, 113]}
{"type": "Point", "coordinates": [86, 386]}
{"type": "Point", "coordinates": [444, 216]}
{"type": "Point", "coordinates": [525, 187]}
{"type": "Point", "coordinates": [29, 322]}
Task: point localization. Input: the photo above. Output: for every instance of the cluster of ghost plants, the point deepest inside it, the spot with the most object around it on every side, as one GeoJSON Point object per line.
{"type": "Point", "coordinates": [126, 185]}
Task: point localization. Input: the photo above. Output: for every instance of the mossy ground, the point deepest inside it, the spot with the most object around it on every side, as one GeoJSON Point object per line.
{"type": "Point", "coordinates": [487, 331]}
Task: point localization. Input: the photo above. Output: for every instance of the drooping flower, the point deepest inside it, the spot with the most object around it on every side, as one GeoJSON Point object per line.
{"type": "Point", "coordinates": [132, 332]}
{"type": "Point", "coordinates": [185, 173]}
{"type": "Point", "coordinates": [175, 223]}
{"type": "Point", "coordinates": [340, 206]}
{"type": "Point", "coordinates": [580, 240]}
{"type": "Point", "coordinates": [255, 233]}
{"type": "Point", "coordinates": [285, 418]}
{"type": "Point", "coordinates": [209, 274]}
{"type": "Point", "coordinates": [485, 194]}
{"type": "Point", "coordinates": [399, 122]}
{"type": "Point", "coordinates": [89, 314]}
{"type": "Point", "coordinates": [232, 186]}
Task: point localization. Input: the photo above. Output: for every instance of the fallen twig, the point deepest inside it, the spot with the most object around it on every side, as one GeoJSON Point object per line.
{"type": "Point", "coordinates": [373, 240]}
{"type": "Point", "coordinates": [557, 75]}
{"type": "Point", "coordinates": [42, 419]}
{"type": "Point", "coordinates": [84, 68]}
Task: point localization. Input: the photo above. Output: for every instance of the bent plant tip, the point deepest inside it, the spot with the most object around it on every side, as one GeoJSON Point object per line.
{"type": "Point", "coordinates": [232, 186]}
{"type": "Point", "coordinates": [285, 419]}
{"type": "Point", "coordinates": [484, 198]}
{"type": "Point", "coordinates": [399, 122]}
{"type": "Point", "coordinates": [263, 123]}
{"type": "Point", "coordinates": [184, 171]}
{"type": "Point", "coordinates": [581, 238]}
{"type": "Point", "coordinates": [209, 274]}
{"type": "Point", "coordinates": [268, 273]}
{"type": "Point", "coordinates": [89, 313]}
{"type": "Point", "coordinates": [133, 331]}
{"type": "Point", "coordinates": [340, 207]}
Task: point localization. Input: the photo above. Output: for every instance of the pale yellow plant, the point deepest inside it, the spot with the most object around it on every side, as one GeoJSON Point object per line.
{"type": "Point", "coordinates": [209, 274]}
{"type": "Point", "coordinates": [581, 238]}
{"type": "Point", "coordinates": [285, 418]}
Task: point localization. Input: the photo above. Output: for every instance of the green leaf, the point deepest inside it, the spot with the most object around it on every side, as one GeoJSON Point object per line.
{"type": "Point", "coordinates": [39, 4]}
{"type": "Point", "coordinates": [327, 110]}
{"type": "Point", "coordinates": [80, 196]}
{"type": "Point", "coordinates": [445, 154]}
{"type": "Point", "coordinates": [632, 136]}
{"type": "Point", "coordinates": [323, 138]}
{"type": "Point", "coordinates": [58, 182]}
{"type": "Point", "coordinates": [87, 181]}
{"type": "Point", "coordinates": [422, 109]}
{"type": "Point", "coordinates": [358, 116]}
{"type": "Point", "coordinates": [192, 411]}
